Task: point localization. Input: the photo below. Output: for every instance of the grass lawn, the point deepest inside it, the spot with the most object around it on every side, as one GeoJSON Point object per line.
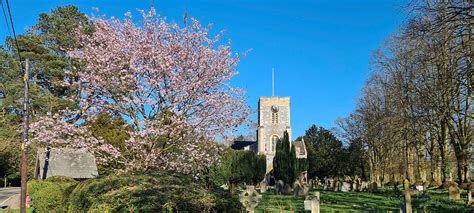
{"type": "Point", "coordinates": [385, 201]}
{"type": "Point", "coordinates": [28, 210]}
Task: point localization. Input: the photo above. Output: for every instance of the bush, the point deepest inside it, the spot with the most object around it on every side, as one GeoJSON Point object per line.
{"type": "Point", "coordinates": [51, 194]}
{"type": "Point", "coordinates": [237, 167]}
{"type": "Point", "coordinates": [61, 180]}
{"type": "Point", "coordinates": [47, 196]}
{"type": "Point", "coordinates": [149, 192]}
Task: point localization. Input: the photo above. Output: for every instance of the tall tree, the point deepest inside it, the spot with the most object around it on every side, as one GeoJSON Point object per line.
{"type": "Point", "coordinates": [170, 82]}
{"type": "Point", "coordinates": [284, 162]}
{"type": "Point", "coordinates": [329, 156]}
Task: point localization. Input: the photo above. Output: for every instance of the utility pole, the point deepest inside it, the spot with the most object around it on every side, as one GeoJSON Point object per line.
{"type": "Point", "coordinates": [24, 147]}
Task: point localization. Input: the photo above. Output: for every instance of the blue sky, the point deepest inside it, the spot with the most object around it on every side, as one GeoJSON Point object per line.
{"type": "Point", "coordinates": [320, 49]}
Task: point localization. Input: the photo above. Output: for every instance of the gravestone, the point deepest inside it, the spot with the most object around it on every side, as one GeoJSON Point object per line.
{"type": "Point", "coordinates": [372, 187]}
{"type": "Point", "coordinates": [250, 198]}
{"type": "Point", "coordinates": [312, 203]}
{"type": "Point", "coordinates": [286, 189]}
{"type": "Point", "coordinates": [469, 195]}
{"type": "Point", "coordinates": [337, 186]}
{"type": "Point", "coordinates": [354, 186]}
{"type": "Point", "coordinates": [305, 190]}
{"type": "Point", "coordinates": [345, 187]}
{"type": "Point", "coordinates": [454, 193]}
{"type": "Point", "coordinates": [297, 189]}
{"type": "Point", "coordinates": [331, 183]}
{"type": "Point", "coordinates": [279, 187]}
{"type": "Point", "coordinates": [263, 186]}
{"type": "Point", "coordinates": [407, 205]}
{"type": "Point", "coordinates": [364, 185]}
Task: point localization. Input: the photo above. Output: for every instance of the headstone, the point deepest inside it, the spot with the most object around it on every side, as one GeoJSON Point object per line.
{"type": "Point", "coordinates": [286, 189]}
{"type": "Point", "coordinates": [469, 195]}
{"type": "Point", "coordinates": [250, 198]}
{"type": "Point", "coordinates": [279, 187]}
{"type": "Point", "coordinates": [331, 183]}
{"type": "Point", "coordinates": [354, 186]}
{"type": "Point", "coordinates": [364, 185]}
{"type": "Point", "coordinates": [454, 192]}
{"type": "Point", "coordinates": [263, 186]}
{"type": "Point", "coordinates": [407, 205]}
{"type": "Point", "coordinates": [297, 188]}
{"type": "Point", "coordinates": [345, 187]}
{"type": "Point", "coordinates": [305, 190]}
{"type": "Point", "coordinates": [372, 187]}
{"type": "Point", "coordinates": [337, 186]}
{"type": "Point", "coordinates": [311, 203]}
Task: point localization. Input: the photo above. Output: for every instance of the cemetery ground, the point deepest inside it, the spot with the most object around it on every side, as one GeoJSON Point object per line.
{"type": "Point", "coordinates": [386, 200]}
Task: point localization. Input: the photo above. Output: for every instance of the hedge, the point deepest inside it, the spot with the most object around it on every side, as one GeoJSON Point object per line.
{"type": "Point", "coordinates": [150, 192]}
{"type": "Point", "coordinates": [50, 195]}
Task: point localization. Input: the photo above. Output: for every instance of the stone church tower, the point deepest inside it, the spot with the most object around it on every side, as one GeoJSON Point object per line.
{"type": "Point", "coordinates": [273, 120]}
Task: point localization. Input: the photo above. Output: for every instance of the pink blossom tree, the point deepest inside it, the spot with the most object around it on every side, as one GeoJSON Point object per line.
{"type": "Point", "coordinates": [171, 83]}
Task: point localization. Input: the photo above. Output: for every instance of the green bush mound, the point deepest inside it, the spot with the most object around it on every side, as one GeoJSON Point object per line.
{"type": "Point", "coordinates": [150, 192]}
{"type": "Point", "coordinates": [50, 194]}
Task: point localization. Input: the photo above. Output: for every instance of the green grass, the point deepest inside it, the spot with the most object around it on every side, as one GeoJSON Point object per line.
{"type": "Point", "coordinates": [28, 210]}
{"type": "Point", "coordinates": [385, 201]}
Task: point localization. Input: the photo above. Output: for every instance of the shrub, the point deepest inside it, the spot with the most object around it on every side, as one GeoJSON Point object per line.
{"type": "Point", "coordinates": [51, 194]}
{"type": "Point", "coordinates": [237, 167]}
{"type": "Point", "coordinates": [149, 192]}
{"type": "Point", "coordinates": [61, 180]}
{"type": "Point", "coordinates": [47, 196]}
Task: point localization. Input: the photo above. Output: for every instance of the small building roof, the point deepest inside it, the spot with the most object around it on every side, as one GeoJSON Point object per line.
{"type": "Point", "coordinates": [242, 144]}
{"type": "Point", "coordinates": [73, 163]}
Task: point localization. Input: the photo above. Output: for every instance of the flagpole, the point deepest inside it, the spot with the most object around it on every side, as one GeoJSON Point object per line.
{"type": "Point", "coordinates": [273, 81]}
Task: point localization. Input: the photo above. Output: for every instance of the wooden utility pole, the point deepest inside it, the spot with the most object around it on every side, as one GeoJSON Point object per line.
{"type": "Point", "coordinates": [24, 147]}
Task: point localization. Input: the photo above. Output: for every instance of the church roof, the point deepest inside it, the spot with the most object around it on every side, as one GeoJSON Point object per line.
{"type": "Point", "coordinates": [242, 144]}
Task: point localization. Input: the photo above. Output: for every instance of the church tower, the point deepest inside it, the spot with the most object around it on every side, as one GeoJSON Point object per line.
{"type": "Point", "coordinates": [273, 121]}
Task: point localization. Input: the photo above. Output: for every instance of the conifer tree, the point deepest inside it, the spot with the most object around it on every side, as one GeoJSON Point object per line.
{"type": "Point", "coordinates": [284, 162]}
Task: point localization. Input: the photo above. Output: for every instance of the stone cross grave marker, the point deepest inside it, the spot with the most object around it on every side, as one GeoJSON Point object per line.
{"type": "Point", "coordinates": [250, 198]}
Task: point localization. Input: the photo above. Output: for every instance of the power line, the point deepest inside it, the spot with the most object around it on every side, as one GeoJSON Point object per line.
{"type": "Point", "coordinates": [5, 17]}
{"type": "Point", "coordinates": [26, 100]}
{"type": "Point", "coordinates": [14, 34]}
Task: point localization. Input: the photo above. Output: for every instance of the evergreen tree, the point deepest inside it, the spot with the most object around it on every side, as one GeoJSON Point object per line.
{"type": "Point", "coordinates": [326, 153]}
{"type": "Point", "coordinates": [44, 45]}
{"type": "Point", "coordinates": [284, 167]}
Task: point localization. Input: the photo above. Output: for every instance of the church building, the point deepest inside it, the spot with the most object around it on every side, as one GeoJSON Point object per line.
{"type": "Point", "coordinates": [273, 121]}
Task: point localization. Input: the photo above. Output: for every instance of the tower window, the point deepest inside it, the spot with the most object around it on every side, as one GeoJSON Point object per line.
{"type": "Point", "coordinates": [274, 109]}
{"type": "Point", "coordinates": [274, 141]}
{"type": "Point", "coordinates": [275, 118]}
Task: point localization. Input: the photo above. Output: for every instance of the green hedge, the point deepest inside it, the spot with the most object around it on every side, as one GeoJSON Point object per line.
{"type": "Point", "coordinates": [146, 192]}
{"type": "Point", "coordinates": [51, 194]}
{"type": "Point", "coordinates": [150, 192]}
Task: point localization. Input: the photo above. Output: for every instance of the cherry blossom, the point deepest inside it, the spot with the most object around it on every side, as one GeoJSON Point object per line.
{"type": "Point", "coordinates": [170, 82]}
